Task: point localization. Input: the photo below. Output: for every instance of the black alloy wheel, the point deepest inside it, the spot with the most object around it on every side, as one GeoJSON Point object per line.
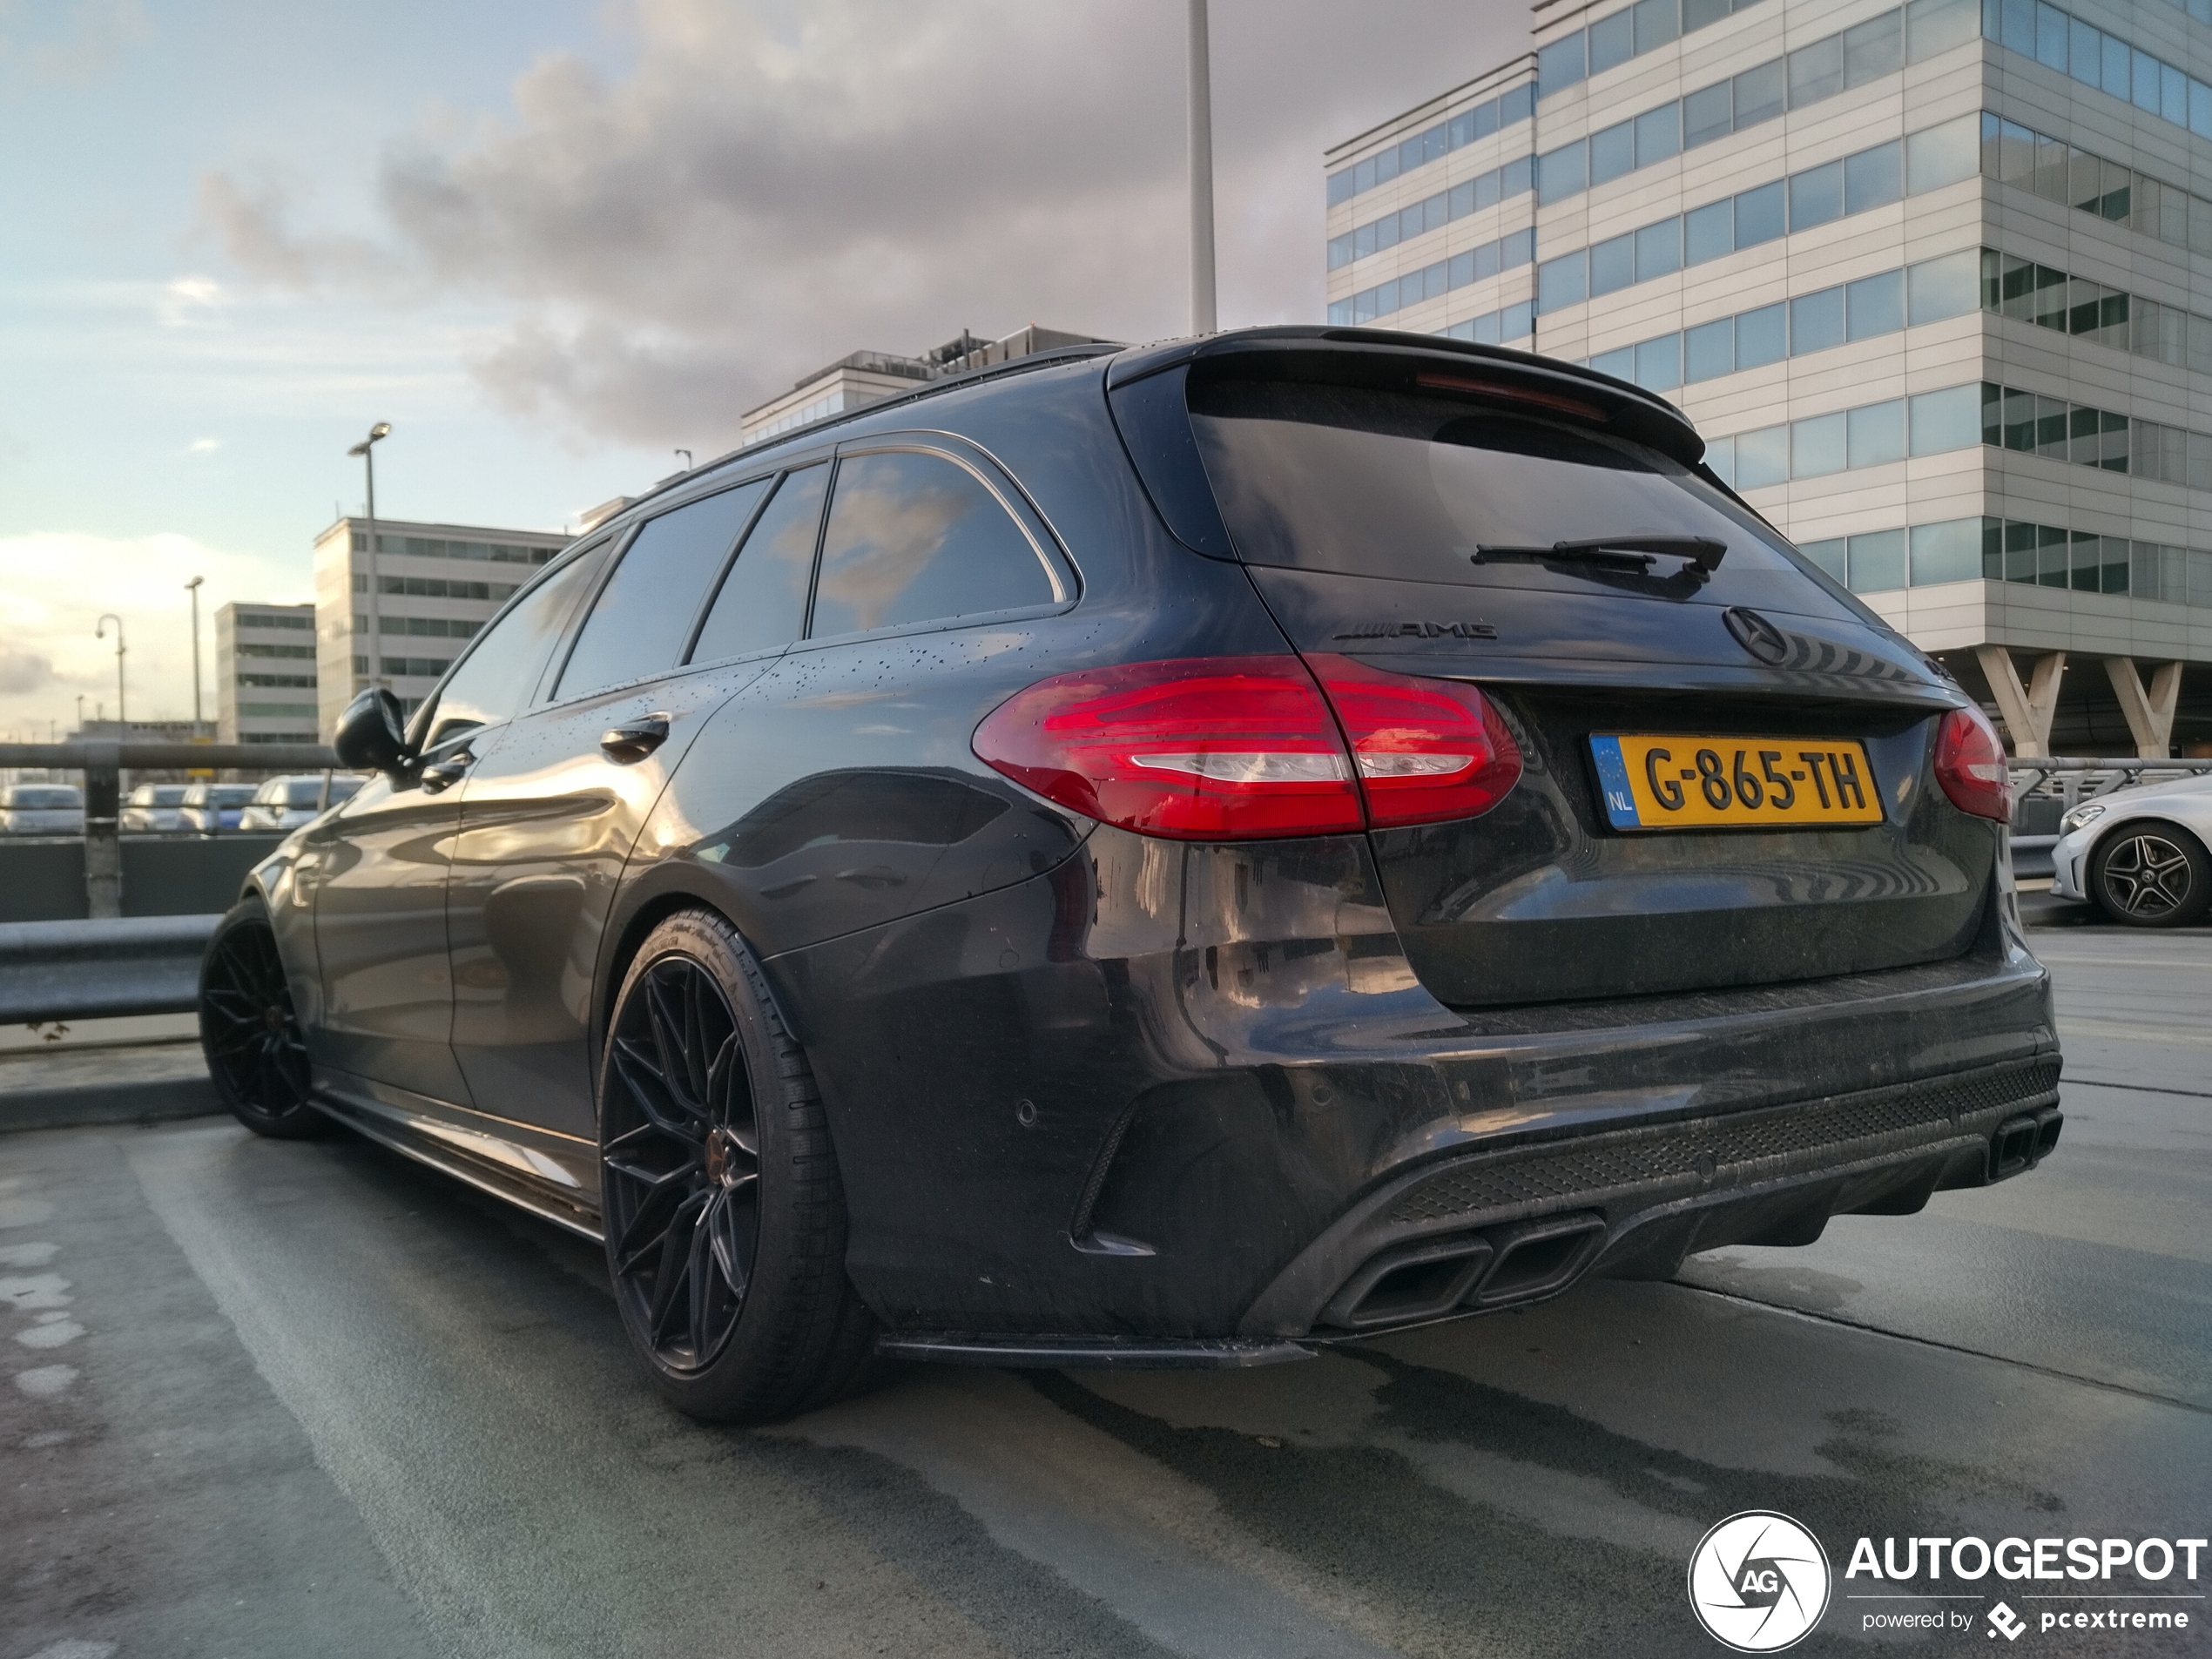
{"type": "Point", "coordinates": [682, 1183]}
{"type": "Point", "coordinates": [720, 1200]}
{"type": "Point", "coordinates": [2152, 874]}
{"type": "Point", "coordinates": [256, 1054]}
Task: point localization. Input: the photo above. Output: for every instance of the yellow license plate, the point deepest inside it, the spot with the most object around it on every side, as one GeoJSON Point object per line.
{"type": "Point", "coordinates": [1674, 782]}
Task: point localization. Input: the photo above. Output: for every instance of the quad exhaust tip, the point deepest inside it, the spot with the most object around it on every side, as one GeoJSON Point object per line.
{"type": "Point", "coordinates": [1474, 1271]}
{"type": "Point", "coordinates": [2022, 1142]}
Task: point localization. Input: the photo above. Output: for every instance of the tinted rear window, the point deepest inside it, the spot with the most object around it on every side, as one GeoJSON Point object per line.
{"type": "Point", "coordinates": [1380, 484]}
{"type": "Point", "coordinates": [28, 799]}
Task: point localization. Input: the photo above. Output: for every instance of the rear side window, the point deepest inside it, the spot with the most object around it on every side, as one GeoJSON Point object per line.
{"type": "Point", "coordinates": [916, 537]}
{"type": "Point", "coordinates": [502, 669]}
{"type": "Point", "coordinates": [763, 602]}
{"type": "Point", "coordinates": [1380, 484]}
{"type": "Point", "coordinates": [639, 622]}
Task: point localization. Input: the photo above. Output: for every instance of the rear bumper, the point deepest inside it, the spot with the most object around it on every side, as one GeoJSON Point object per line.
{"type": "Point", "coordinates": [1168, 1095]}
{"type": "Point", "coordinates": [1490, 1230]}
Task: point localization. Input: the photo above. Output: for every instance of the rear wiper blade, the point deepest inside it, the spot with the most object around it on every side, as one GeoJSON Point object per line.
{"type": "Point", "coordinates": [1701, 552]}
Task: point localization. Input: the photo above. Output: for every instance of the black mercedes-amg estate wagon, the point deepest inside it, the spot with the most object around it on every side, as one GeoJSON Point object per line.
{"type": "Point", "coordinates": [1162, 857]}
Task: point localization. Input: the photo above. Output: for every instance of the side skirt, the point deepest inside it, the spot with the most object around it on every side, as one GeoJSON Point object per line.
{"type": "Point", "coordinates": [553, 1176]}
{"type": "Point", "coordinates": [1094, 1353]}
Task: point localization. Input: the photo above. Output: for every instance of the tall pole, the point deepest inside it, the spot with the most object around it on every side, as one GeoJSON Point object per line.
{"type": "Point", "coordinates": [192, 588]}
{"type": "Point", "coordinates": [376, 608]}
{"type": "Point", "coordinates": [122, 715]}
{"type": "Point", "coordinates": [366, 450]}
{"type": "Point", "coordinates": [1202, 285]}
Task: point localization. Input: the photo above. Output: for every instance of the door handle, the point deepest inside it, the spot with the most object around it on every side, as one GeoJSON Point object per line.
{"type": "Point", "coordinates": [443, 773]}
{"type": "Point", "coordinates": [628, 743]}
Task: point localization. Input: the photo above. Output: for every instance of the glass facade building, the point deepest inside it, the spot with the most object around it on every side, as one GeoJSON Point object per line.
{"type": "Point", "coordinates": [1934, 280]}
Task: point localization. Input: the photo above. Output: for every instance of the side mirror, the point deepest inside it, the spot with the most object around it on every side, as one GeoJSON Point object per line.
{"type": "Point", "coordinates": [372, 733]}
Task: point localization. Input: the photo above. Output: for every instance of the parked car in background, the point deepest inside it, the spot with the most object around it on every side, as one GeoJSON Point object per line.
{"type": "Point", "coordinates": [154, 808]}
{"type": "Point", "coordinates": [211, 808]}
{"type": "Point", "coordinates": [42, 809]}
{"type": "Point", "coordinates": [286, 803]}
{"type": "Point", "coordinates": [2140, 854]}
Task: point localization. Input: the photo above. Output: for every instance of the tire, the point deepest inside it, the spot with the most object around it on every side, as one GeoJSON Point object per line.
{"type": "Point", "coordinates": [723, 1215]}
{"type": "Point", "coordinates": [2147, 872]}
{"type": "Point", "coordinates": [249, 1031]}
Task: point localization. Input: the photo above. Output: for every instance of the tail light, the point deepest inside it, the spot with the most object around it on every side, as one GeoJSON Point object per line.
{"type": "Point", "coordinates": [1427, 750]}
{"type": "Point", "coordinates": [1970, 765]}
{"type": "Point", "coordinates": [1232, 748]}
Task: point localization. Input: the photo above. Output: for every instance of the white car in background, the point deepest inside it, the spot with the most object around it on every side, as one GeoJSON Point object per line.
{"type": "Point", "coordinates": [2140, 854]}
{"type": "Point", "coordinates": [42, 809]}
{"type": "Point", "coordinates": [155, 807]}
{"type": "Point", "coordinates": [286, 803]}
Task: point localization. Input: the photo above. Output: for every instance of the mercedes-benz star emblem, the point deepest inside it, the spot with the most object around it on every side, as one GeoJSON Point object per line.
{"type": "Point", "coordinates": [1759, 1582]}
{"type": "Point", "coordinates": [1757, 635]}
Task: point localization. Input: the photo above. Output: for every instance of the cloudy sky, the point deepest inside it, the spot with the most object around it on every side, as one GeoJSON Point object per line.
{"type": "Point", "coordinates": [552, 240]}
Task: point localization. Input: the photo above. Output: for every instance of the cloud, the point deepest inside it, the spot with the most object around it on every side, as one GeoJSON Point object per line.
{"type": "Point", "coordinates": [54, 587]}
{"type": "Point", "coordinates": [187, 300]}
{"type": "Point", "coordinates": [73, 43]}
{"type": "Point", "coordinates": [203, 446]}
{"type": "Point", "coordinates": [767, 185]}
{"type": "Point", "coordinates": [252, 225]}
{"type": "Point", "coordinates": [23, 671]}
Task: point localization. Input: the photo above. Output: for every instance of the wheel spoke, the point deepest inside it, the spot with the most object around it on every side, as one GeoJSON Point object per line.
{"type": "Point", "coordinates": [648, 1086]}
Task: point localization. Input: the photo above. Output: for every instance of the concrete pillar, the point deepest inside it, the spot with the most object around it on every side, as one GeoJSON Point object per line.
{"type": "Point", "coordinates": [2030, 709]}
{"type": "Point", "coordinates": [102, 850]}
{"type": "Point", "coordinates": [2150, 714]}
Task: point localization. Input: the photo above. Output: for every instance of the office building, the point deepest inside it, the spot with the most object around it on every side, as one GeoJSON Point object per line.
{"type": "Point", "coordinates": [265, 674]}
{"type": "Point", "coordinates": [435, 585]}
{"type": "Point", "coordinates": [1935, 281]}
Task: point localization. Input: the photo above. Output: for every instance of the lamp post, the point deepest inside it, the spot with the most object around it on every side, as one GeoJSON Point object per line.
{"type": "Point", "coordinates": [1201, 91]}
{"type": "Point", "coordinates": [122, 715]}
{"type": "Point", "coordinates": [192, 588]}
{"type": "Point", "coordinates": [366, 450]}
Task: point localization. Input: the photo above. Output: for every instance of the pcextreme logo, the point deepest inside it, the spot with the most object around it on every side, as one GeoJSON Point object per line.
{"type": "Point", "coordinates": [1758, 1581]}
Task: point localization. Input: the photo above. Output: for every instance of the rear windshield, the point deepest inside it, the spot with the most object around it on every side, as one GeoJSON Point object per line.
{"type": "Point", "coordinates": [30, 800]}
{"type": "Point", "coordinates": [1380, 484]}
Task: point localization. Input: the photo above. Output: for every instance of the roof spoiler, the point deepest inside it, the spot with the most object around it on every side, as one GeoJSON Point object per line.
{"type": "Point", "coordinates": [1427, 363]}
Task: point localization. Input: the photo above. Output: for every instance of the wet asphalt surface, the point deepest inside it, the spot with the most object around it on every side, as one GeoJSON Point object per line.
{"type": "Point", "coordinates": [263, 1398]}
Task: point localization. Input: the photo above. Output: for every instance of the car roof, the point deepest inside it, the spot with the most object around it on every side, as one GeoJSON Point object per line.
{"type": "Point", "coordinates": [1385, 355]}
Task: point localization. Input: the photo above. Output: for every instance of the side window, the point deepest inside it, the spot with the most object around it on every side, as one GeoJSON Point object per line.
{"type": "Point", "coordinates": [639, 622]}
{"type": "Point", "coordinates": [501, 668]}
{"type": "Point", "coordinates": [916, 537]}
{"type": "Point", "coordinates": [763, 602]}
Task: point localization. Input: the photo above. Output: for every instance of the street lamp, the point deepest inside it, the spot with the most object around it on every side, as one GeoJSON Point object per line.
{"type": "Point", "coordinates": [100, 633]}
{"type": "Point", "coordinates": [1201, 142]}
{"type": "Point", "coordinates": [192, 588]}
{"type": "Point", "coordinates": [366, 450]}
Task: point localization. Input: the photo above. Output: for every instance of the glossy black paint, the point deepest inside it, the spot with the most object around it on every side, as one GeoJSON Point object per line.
{"type": "Point", "coordinates": [1091, 1088]}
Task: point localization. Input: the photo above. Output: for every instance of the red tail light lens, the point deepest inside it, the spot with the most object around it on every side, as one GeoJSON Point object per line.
{"type": "Point", "coordinates": [1970, 765]}
{"type": "Point", "coordinates": [1427, 750]}
{"type": "Point", "coordinates": [1203, 749]}
{"type": "Point", "coordinates": [1235, 748]}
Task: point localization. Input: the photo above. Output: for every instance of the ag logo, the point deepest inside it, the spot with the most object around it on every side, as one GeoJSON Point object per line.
{"type": "Point", "coordinates": [1758, 1581]}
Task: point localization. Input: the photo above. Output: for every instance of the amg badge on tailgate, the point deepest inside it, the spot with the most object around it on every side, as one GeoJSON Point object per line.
{"type": "Point", "coordinates": [1419, 630]}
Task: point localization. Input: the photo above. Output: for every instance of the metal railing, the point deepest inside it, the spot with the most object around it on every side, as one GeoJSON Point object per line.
{"type": "Point", "coordinates": [88, 970]}
{"type": "Point", "coordinates": [2076, 780]}
{"type": "Point", "coordinates": [103, 764]}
